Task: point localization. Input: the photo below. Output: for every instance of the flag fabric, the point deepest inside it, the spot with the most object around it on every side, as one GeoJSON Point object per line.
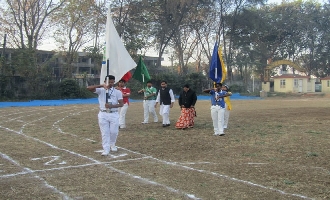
{"type": "Point", "coordinates": [223, 66]}
{"type": "Point", "coordinates": [120, 62]}
{"type": "Point", "coordinates": [217, 67]}
{"type": "Point", "coordinates": [127, 76]}
{"type": "Point", "coordinates": [141, 72]}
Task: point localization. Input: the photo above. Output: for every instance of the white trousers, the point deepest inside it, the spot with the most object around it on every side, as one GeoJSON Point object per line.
{"type": "Point", "coordinates": [226, 117]}
{"type": "Point", "coordinates": [218, 115]}
{"type": "Point", "coordinates": [122, 114]}
{"type": "Point", "coordinates": [164, 111]}
{"type": "Point", "coordinates": [109, 127]}
{"type": "Point", "coordinates": [149, 107]}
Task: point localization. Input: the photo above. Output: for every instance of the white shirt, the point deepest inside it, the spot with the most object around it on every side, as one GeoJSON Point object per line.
{"type": "Point", "coordinates": [171, 95]}
{"type": "Point", "coordinates": [114, 96]}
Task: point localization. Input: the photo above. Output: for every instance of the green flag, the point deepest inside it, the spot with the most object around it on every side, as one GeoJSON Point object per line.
{"type": "Point", "coordinates": [141, 72]}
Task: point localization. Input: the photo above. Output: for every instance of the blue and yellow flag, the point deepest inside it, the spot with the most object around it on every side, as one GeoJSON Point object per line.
{"type": "Point", "coordinates": [217, 66]}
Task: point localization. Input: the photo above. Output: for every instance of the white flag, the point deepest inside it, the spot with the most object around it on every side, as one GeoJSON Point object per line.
{"type": "Point", "coordinates": [120, 62]}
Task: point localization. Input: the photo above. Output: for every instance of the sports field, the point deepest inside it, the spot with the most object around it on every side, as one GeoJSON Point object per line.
{"type": "Point", "coordinates": [273, 149]}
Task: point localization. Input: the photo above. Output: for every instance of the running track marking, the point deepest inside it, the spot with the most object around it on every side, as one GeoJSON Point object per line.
{"type": "Point", "coordinates": [56, 126]}
{"type": "Point", "coordinates": [222, 176]}
{"type": "Point", "coordinates": [166, 162]}
{"type": "Point", "coordinates": [95, 162]}
{"type": "Point", "coordinates": [28, 170]}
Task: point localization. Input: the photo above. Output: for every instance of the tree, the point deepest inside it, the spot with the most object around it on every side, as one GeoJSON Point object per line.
{"type": "Point", "coordinates": [26, 21]}
{"type": "Point", "coordinates": [74, 29]}
{"type": "Point", "coordinates": [133, 23]}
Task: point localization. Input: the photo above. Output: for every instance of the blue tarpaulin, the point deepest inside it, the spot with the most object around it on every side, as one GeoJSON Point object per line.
{"type": "Point", "coordinates": [235, 96]}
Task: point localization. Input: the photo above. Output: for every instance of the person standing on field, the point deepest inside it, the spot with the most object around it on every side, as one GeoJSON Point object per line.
{"type": "Point", "coordinates": [122, 110]}
{"type": "Point", "coordinates": [217, 108]}
{"type": "Point", "coordinates": [187, 101]}
{"type": "Point", "coordinates": [166, 99]}
{"type": "Point", "coordinates": [149, 101]}
{"type": "Point", "coordinates": [227, 107]}
{"type": "Point", "coordinates": [108, 116]}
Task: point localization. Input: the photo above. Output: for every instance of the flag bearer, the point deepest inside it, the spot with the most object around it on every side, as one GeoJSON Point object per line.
{"type": "Point", "coordinates": [149, 101]}
{"type": "Point", "coordinates": [217, 108]}
{"type": "Point", "coordinates": [108, 117]}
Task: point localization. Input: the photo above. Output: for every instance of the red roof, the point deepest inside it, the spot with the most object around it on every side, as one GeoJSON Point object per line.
{"type": "Point", "coordinates": [326, 78]}
{"type": "Point", "coordinates": [291, 76]}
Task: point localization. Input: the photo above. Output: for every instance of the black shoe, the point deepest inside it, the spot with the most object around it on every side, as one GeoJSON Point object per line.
{"type": "Point", "coordinates": [164, 125]}
{"type": "Point", "coordinates": [168, 124]}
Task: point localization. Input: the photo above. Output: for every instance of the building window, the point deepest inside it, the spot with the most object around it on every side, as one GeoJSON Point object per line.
{"type": "Point", "coordinates": [295, 83]}
{"type": "Point", "coordinates": [328, 83]}
{"type": "Point", "coordinates": [282, 83]}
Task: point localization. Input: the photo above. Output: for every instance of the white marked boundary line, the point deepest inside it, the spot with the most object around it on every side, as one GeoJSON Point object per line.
{"type": "Point", "coordinates": [174, 164]}
{"type": "Point", "coordinates": [46, 143]}
{"type": "Point", "coordinates": [57, 126]}
{"type": "Point", "coordinates": [68, 167]}
{"type": "Point", "coordinates": [55, 147]}
{"type": "Point", "coordinates": [27, 170]}
{"type": "Point", "coordinates": [191, 196]}
{"type": "Point", "coordinates": [223, 176]}
{"type": "Point", "coordinates": [18, 112]}
{"type": "Point", "coordinates": [33, 114]}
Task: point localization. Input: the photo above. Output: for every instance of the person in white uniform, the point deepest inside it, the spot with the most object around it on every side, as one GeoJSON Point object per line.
{"type": "Point", "coordinates": [166, 99]}
{"type": "Point", "coordinates": [217, 108]}
{"type": "Point", "coordinates": [108, 117]}
{"type": "Point", "coordinates": [149, 102]}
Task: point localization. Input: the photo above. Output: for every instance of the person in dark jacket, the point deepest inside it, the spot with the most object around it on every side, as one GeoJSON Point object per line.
{"type": "Point", "coordinates": [187, 101]}
{"type": "Point", "coordinates": [166, 99]}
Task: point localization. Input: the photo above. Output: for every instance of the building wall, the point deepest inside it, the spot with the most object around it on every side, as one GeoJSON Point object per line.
{"type": "Point", "coordinates": [307, 86]}
{"type": "Point", "coordinates": [265, 86]}
{"type": "Point", "coordinates": [288, 85]}
{"type": "Point", "coordinates": [325, 87]}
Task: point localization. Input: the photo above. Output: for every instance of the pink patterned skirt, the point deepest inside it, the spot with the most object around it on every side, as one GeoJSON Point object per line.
{"type": "Point", "coordinates": [186, 119]}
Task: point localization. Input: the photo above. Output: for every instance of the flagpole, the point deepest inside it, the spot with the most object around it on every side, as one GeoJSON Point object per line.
{"type": "Point", "coordinates": [107, 83]}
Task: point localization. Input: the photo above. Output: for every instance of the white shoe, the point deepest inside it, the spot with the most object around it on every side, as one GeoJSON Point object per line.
{"type": "Point", "coordinates": [216, 134]}
{"type": "Point", "coordinates": [104, 153]}
{"type": "Point", "coordinates": [144, 122]}
{"type": "Point", "coordinates": [113, 148]}
{"type": "Point", "coordinates": [122, 126]}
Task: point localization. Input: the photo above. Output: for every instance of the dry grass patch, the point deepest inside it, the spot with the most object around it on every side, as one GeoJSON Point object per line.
{"type": "Point", "coordinates": [273, 149]}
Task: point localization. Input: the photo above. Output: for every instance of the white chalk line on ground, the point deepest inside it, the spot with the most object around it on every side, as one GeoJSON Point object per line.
{"type": "Point", "coordinates": [57, 126]}
{"type": "Point", "coordinates": [145, 180]}
{"type": "Point", "coordinates": [27, 170]}
{"type": "Point", "coordinates": [68, 167]}
{"type": "Point", "coordinates": [15, 112]}
{"type": "Point", "coordinates": [55, 147]}
{"type": "Point", "coordinates": [222, 176]}
{"type": "Point", "coordinates": [46, 143]}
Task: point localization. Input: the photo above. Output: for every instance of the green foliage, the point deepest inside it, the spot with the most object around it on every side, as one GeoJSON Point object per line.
{"type": "Point", "coordinates": [196, 81]}
{"type": "Point", "coordinates": [69, 88]}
